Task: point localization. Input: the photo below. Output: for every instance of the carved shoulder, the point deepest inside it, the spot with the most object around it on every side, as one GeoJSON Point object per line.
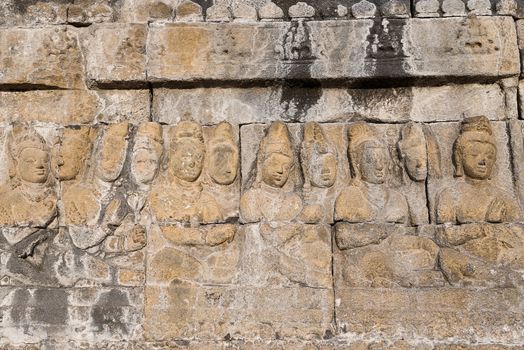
{"type": "Point", "coordinates": [445, 206]}
{"type": "Point", "coordinates": [249, 208]}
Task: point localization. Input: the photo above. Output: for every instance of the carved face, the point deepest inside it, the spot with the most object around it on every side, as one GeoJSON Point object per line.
{"type": "Point", "coordinates": [68, 158]}
{"type": "Point", "coordinates": [144, 165]}
{"type": "Point", "coordinates": [188, 160]}
{"type": "Point", "coordinates": [323, 170]}
{"type": "Point", "coordinates": [223, 164]}
{"type": "Point", "coordinates": [275, 170]}
{"type": "Point", "coordinates": [373, 164]}
{"type": "Point", "coordinates": [416, 162]}
{"type": "Point", "coordinates": [111, 158]}
{"type": "Point", "coordinates": [33, 165]}
{"type": "Point", "coordinates": [478, 159]}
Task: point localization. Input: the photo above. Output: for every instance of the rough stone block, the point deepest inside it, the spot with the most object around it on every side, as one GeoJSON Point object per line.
{"type": "Point", "coordinates": [466, 316]}
{"type": "Point", "coordinates": [115, 54]}
{"type": "Point", "coordinates": [48, 56]}
{"type": "Point", "coordinates": [75, 106]}
{"type": "Point", "coordinates": [299, 104]}
{"type": "Point", "coordinates": [33, 13]}
{"type": "Point", "coordinates": [36, 314]}
{"type": "Point", "coordinates": [445, 48]}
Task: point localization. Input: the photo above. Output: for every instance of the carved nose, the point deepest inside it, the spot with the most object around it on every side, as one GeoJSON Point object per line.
{"type": "Point", "coordinates": [482, 162]}
{"type": "Point", "coordinates": [419, 163]}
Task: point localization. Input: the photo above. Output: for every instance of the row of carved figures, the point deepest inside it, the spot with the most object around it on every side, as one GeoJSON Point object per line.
{"type": "Point", "coordinates": [194, 177]}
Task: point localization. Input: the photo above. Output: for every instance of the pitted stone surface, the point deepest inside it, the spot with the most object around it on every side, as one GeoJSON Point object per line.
{"type": "Point", "coordinates": [261, 174]}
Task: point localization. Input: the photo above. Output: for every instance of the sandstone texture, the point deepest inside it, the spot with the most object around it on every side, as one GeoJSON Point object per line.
{"type": "Point", "coordinates": [262, 174]}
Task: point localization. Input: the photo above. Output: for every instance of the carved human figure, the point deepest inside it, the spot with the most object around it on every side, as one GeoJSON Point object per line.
{"type": "Point", "coordinates": [145, 162]}
{"type": "Point", "coordinates": [271, 197]}
{"type": "Point", "coordinates": [70, 152]}
{"type": "Point", "coordinates": [319, 165]}
{"type": "Point", "coordinates": [367, 198]}
{"type": "Point", "coordinates": [473, 197]}
{"type": "Point", "coordinates": [182, 198]}
{"type": "Point", "coordinates": [30, 198]}
{"type": "Point", "coordinates": [92, 207]}
{"type": "Point", "coordinates": [222, 165]}
{"type": "Point", "coordinates": [420, 157]}
{"type": "Point", "coordinates": [28, 201]}
{"type": "Point", "coordinates": [223, 155]}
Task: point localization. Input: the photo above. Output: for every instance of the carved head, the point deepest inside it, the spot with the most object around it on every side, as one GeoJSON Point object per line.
{"type": "Point", "coordinates": [413, 151]}
{"type": "Point", "coordinates": [147, 151]}
{"type": "Point", "coordinates": [29, 155]}
{"type": "Point", "coordinates": [276, 156]}
{"type": "Point", "coordinates": [188, 151]}
{"type": "Point", "coordinates": [223, 155]}
{"type": "Point", "coordinates": [367, 155]}
{"type": "Point", "coordinates": [70, 152]}
{"type": "Point", "coordinates": [112, 153]}
{"type": "Point", "coordinates": [319, 161]}
{"type": "Point", "coordinates": [475, 150]}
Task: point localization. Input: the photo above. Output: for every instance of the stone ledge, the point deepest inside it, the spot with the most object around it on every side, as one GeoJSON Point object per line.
{"type": "Point", "coordinates": [396, 48]}
{"type": "Point", "coordinates": [117, 55]}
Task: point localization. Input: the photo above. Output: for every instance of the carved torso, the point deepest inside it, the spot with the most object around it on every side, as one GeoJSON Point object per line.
{"type": "Point", "coordinates": [358, 204]}
{"type": "Point", "coordinates": [269, 204]}
{"type": "Point", "coordinates": [466, 202]}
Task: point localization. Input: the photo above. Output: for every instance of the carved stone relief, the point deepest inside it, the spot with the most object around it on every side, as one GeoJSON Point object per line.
{"type": "Point", "coordinates": [218, 222]}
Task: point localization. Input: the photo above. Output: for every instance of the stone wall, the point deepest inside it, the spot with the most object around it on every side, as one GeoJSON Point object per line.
{"type": "Point", "coordinates": [336, 174]}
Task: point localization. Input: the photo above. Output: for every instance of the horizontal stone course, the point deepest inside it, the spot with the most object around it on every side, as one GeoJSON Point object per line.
{"type": "Point", "coordinates": [130, 55]}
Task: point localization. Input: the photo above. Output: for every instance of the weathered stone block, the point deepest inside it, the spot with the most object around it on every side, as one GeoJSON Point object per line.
{"type": "Point", "coordinates": [75, 106]}
{"type": "Point", "coordinates": [467, 316]}
{"type": "Point", "coordinates": [115, 53]}
{"type": "Point", "coordinates": [48, 56]}
{"type": "Point", "coordinates": [33, 13]}
{"type": "Point", "coordinates": [473, 47]}
{"type": "Point", "coordinates": [299, 104]}
{"type": "Point", "coordinates": [35, 314]}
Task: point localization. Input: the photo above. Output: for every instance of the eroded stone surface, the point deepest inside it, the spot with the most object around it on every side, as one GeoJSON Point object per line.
{"type": "Point", "coordinates": [49, 56]}
{"type": "Point", "coordinates": [257, 182]}
{"type": "Point", "coordinates": [74, 106]}
{"type": "Point", "coordinates": [297, 50]}
{"type": "Point", "coordinates": [260, 105]}
{"type": "Point", "coordinates": [115, 53]}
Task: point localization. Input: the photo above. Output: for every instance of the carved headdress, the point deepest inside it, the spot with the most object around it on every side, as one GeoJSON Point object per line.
{"type": "Point", "coordinates": [314, 143]}
{"type": "Point", "coordinates": [223, 136]}
{"type": "Point", "coordinates": [359, 134]}
{"type": "Point", "coordinates": [276, 140]}
{"type": "Point", "coordinates": [472, 129]}
{"type": "Point", "coordinates": [149, 137]}
{"type": "Point", "coordinates": [23, 137]}
{"type": "Point", "coordinates": [188, 131]}
{"type": "Point", "coordinates": [414, 135]}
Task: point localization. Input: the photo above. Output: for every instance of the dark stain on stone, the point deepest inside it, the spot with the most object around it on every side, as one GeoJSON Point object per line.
{"type": "Point", "coordinates": [385, 56]}
{"type": "Point", "coordinates": [108, 313]}
{"type": "Point", "coordinates": [20, 304]}
{"type": "Point", "coordinates": [298, 98]}
{"type": "Point", "coordinates": [21, 6]}
{"type": "Point", "coordinates": [369, 99]}
{"type": "Point", "coordinates": [299, 91]}
{"type": "Point", "coordinates": [205, 4]}
{"type": "Point", "coordinates": [50, 306]}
